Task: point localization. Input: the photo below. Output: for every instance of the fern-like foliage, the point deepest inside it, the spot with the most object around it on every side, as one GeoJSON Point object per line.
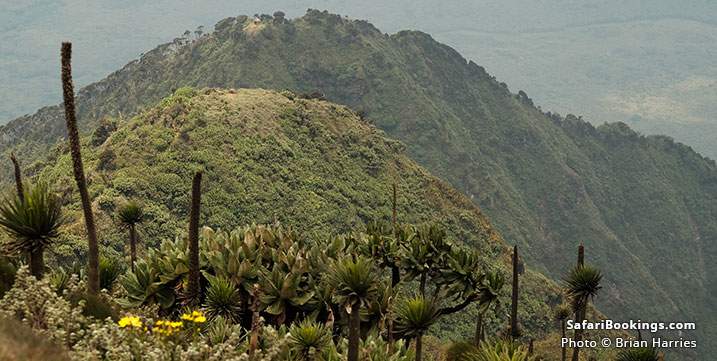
{"type": "Point", "coordinates": [130, 213]}
{"type": "Point", "coordinates": [33, 222]}
{"type": "Point", "coordinates": [415, 316]}
{"type": "Point", "coordinates": [582, 284]}
{"type": "Point", "coordinates": [222, 299]}
{"type": "Point", "coordinates": [309, 339]}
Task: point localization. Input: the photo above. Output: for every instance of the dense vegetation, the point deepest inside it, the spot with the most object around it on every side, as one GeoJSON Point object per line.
{"type": "Point", "coordinates": [644, 206]}
{"type": "Point", "coordinates": [268, 292]}
{"type": "Point", "coordinates": [267, 157]}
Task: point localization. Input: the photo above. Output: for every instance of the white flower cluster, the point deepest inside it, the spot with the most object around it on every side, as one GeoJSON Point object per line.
{"type": "Point", "coordinates": [38, 305]}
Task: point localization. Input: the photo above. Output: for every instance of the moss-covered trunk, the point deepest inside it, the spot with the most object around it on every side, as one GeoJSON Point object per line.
{"type": "Point", "coordinates": [354, 331]}
{"type": "Point", "coordinates": [37, 262]}
{"type": "Point", "coordinates": [419, 347]}
{"type": "Point", "coordinates": [479, 330]}
{"type": "Point", "coordinates": [580, 312]}
{"type": "Point", "coordinates": [193, 284]}
{"type": "Point", "coordinates": [132, 245]}
{"type": "Point", "coordinates": [395, 271]}
{"type": "Point", "coordinates": [422, 284]}
{"type": "Point", "coordinates": [579, 316]}
{"type": "Point", "coordinates": [255, 320]}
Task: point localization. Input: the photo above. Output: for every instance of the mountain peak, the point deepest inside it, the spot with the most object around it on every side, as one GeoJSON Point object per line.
{"type": "Point", "coordinates": [543, 182]}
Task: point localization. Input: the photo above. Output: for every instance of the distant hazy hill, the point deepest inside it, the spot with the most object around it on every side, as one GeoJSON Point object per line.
{"type": "Point", "coordinates": [645, 207]}
{"type": "Point", "coordinates": [310, 164]}
{"type": "Point", "coordinates": [654, 73]}
{"type": "Point", "coordinates": [648, 62]}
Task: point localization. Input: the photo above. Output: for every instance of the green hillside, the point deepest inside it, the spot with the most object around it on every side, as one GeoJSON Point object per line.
{"type": "Point", "coordinates": [643, 206]}
{"type": "Point", "coordinates": [267, 157]}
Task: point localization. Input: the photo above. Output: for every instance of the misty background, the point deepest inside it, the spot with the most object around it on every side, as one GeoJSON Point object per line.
{"type": "Point", "coordinates": [650, 64]}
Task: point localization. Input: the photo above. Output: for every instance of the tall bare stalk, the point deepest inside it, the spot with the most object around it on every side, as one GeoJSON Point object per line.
{"type": "Point", "coordinates": [68, 94]}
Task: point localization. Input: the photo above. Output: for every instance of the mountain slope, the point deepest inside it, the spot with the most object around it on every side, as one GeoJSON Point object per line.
{"type": "Point", "coordinates": [546, 182]}
{"type": "Point", "coordinates": [270, 157]}
{"type": "Point", "coordinates": [549, 49]}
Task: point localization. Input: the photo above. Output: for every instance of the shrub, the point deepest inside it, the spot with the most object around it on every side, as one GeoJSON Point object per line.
{"type": "Point", "coordinates": [459, 351]}
{"type": "Point", "coordinates": [39, 306]}
{"type": "Point", "coordinates": [7, 275]}
{"type": "Point", "coordinates": [501, 350]}
{"type": "Point", "coordinates": [95, 306]}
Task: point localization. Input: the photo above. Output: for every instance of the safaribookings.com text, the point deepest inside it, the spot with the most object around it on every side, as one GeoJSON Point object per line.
{"type": "Point", "coordinates": [619, 342]}
{"type": "Point", "coordinates": [630, 325]}
{"type": "Point", "coordinates": [652, 341]}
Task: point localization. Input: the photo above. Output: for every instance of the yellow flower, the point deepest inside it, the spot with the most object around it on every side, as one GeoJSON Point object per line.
{"type": "Point", "coordinates": [130, 321]}
{"type": "Point", "coordinates": [195, 316]}
{"type": "Point", "coordinates": [166, 327]}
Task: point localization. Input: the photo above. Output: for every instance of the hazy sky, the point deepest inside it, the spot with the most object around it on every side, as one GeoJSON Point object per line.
{"type": "Point", "coordinates": [608, 60]}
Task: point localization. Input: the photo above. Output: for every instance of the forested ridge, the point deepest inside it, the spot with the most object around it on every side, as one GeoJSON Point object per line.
{"type": "Point", "coordinates": [643, 206]}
